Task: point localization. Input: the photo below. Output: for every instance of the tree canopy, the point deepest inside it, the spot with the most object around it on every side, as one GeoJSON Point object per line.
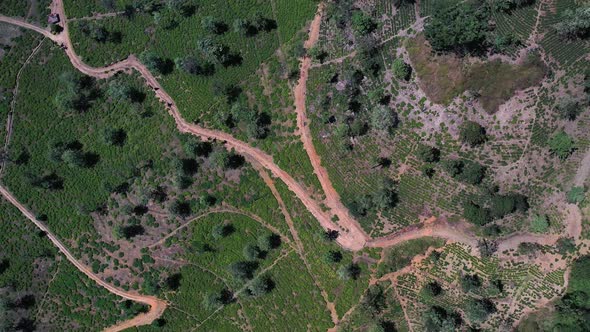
{"type": "Point", "coordinates": [457, 27]}
{"type": "Point", "coordinates": [561, 145]}
{"type": "Point", "coordinates": [472, 133]}
{"type": "Point", "coordinates": [574, 23]}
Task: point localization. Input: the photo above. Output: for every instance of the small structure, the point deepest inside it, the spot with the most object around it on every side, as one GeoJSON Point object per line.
{"type": "Point", "coordinates": [53, 18]}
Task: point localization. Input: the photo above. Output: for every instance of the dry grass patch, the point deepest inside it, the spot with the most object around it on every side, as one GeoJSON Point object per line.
{"type": "Point", "coordinates": [440, 76]}
{"type": "Point", "coordinates": [497, 81]}
{"type": "Point", "coordinates": [443, 77]}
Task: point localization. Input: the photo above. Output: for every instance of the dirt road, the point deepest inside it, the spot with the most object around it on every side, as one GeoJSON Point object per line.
{"type": "Point", "coordinates": [351, 240]}
{"type": "Point", "coordinates": [347, 223]}
{"type": "Point", "coordinates": [157, 306]}
{"type": "Point", "coordinates": [584, 170]}
{"type": "Point", "coordinates": [456, 232]}
{"type": "Point", "coordinates": [354, 238]}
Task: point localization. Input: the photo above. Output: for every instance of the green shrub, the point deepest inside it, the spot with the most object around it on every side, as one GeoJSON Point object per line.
{"type": "Point", "coordinates": [472, 133]}
{"type": "Point", "coordinates": [576, 195]}
{"type": "Point", "coordinates": [401, 70]}
{"type": "Point", "coordinates": [539, 224]}
{"type": "Point", "coordinates": [561, 145]}
{"type": "Point", "coordinates": [362, 23]}
{"type": "Point", "coordinates": [459, 27]}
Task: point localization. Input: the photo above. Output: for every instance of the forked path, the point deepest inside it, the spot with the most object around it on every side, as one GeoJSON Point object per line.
{"type": "Point", "coordinates": [157, 306]}
{"type": "Point", "coordinates": [351, 240]}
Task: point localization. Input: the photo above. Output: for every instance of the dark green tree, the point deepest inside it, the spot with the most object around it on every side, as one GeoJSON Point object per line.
{"type": "Point", "coordinates": [243, 270]}
{"type": "Point", "coordinates": [470, 283]}
{"type": "Point", "coordinates": [453, 166]}
{"type": "Point", "coordinates": [260, 286]}
{"type": "Point", "coordinates": [213, 25]}
{"type": "Point", "coordinates": [113, 136]}
{"type": "Point", "coordinates": [432, 289]}
{"type": "Point", "coordinates": [119, 91]}
{"type": "Point", "coordinates": [472, 172]}
{"type": "Point", "coordinates": [569, 108]}
{"type": "Point", "coordinates": [438, 319]}
{"type": "Point", "coordinates": [576, 195]}
{"type": "Point", "coordinates": [386, 195]}
{"type": "Point", "coordinates": [401, 70]}
{"type": "Point", "coordinates": [333, 256]}
{"type": "Point", "coordinates": [575, 23]}
{"type": "Point", "coordinates": [349, 271]}
{"type": "Point", "coordinates": [374, 300]}
{"type": "Point", "coordinates": [383, 120]}
{"type": "Point", "coordinates": [222, 230]}
{"type": "Point", "coordinates": [472, 133]}
{"type": "Point", "coordinates": [479, 310]}
{"type": "Point", "coordinates": [180, 208]}
{"type": "Point", "coordinates": [476, 214]}
{"type": "Point", "coordinates": [459, 27]}
{"type": "Point", "coordinates": [561, 145]}
{"type": "Point", "coordinates": [74, 158]}
{"type": "Point", "coordinates": [251, 252]}
{"type": "Point", "coordinates": [428, 154]}
{"type": "Point", "coordinates": [215, 300]}
{"type": "Point", "coordinates": [362, 23]}
{"type": "Point", "coordinates": [566, 245]}
{"type": "Point", "coordinates": [192, 65]}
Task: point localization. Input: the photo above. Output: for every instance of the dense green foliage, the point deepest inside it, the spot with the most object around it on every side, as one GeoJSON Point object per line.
{"type": "Point", "coordinates": [575, 23]}
{"type": "Point", "coordinates": [539, 224]}
{"type": "Point", "coordinates": [576, 195]}
{"type": "Point", "coordinates": [472, 133]}
{"type": "Point", "coordinates": [459, 27]}
{"type": "Point", "coordinates": [561, 144]}
{"type": "Point", "coordinates": [401, 70]}
{"type": "Point", "coordinates": [362, 23]}
{"type": "Point", "coordinates": [573, 310]}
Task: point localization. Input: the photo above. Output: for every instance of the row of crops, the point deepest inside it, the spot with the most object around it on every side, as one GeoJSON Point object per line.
{"type": "Point", "coordinates": [523, 282]}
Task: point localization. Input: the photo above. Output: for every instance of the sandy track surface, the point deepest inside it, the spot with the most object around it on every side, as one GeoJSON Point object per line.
{"type": "Point", "coordinates": [157, 306]}
{"type": "Point", "coordinates": [584, 170]}
{"type": "Point", "coordinates": [348, 240]}
{"type": "Point", "coordinates": [345, 221]}
{"type": "Point", "coordinates": [354, 238]}
{"type": "Point", "coordinates": [456, 232]}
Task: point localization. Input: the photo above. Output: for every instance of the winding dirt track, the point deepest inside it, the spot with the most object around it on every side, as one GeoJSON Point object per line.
{"type": "Point", "coordinates": [10, 118]}
{"type": "Point", "coordinates": [456, 232]}
{"type": "Point", "coordinates": [353, 239]}
{"type": "Point", "coordinates": [157, 306]}
{"type": "Point", "coordinates": [332, 198]}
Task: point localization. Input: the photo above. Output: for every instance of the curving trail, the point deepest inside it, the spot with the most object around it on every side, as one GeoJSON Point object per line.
{"type": "Point", "coordinates": [456, 232]}
{"type": "Point", "coordinates": [332, 198]}
{"type": "Point", "coordinates": [351, 240]}
{"type": "Point", "coordinates": [10, 118]}
{"type": "Point", "coordinates": [157, 306]}
{"type": "Point", "coordinates": [584, 170]}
